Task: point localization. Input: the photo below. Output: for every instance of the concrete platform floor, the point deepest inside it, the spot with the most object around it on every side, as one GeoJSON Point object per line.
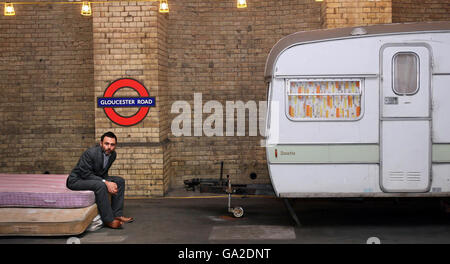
{"type": "Point", "coordinates": [182, 218]}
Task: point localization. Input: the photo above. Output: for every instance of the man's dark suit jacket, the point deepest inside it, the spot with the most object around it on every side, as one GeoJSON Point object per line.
{"type": "Point", "coordinates": [90, 165]}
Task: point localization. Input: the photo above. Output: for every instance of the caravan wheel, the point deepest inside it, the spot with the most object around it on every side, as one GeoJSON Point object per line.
{"type": "Point", "coordinates": [238, 212]}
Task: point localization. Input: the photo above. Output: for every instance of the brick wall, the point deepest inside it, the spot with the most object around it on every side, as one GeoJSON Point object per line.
{"type": "Point", "coordinates": [46, 79]}
{"type": "Point", "coordinates": [348, 13]}
{"type": "Point", "coordinates": [220, 51]}
{"type": "Point", "coordinates": [420, 10]}
{"type": "Point", "coordinates": [54, 63]}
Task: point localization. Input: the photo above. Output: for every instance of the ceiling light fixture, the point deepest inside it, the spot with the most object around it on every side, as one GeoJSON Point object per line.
{"type": "Point", "coordinates": [9, 10]}
{"type": "Point", "coordinates": [163, 6]}
{"type": "Point", "coordinates": [86, 9]}
{"type": "Point", "coordinates": [241, 3]}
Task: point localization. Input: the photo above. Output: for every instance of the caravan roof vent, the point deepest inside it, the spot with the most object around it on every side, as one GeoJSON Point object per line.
{"type": "Point", "coordinates": [358, 31]}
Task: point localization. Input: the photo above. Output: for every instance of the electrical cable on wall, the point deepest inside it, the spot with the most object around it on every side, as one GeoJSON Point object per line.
{"type": "Point", "coordinates": [86, 9]}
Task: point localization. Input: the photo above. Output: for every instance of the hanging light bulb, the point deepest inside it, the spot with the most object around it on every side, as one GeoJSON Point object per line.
{"type": "Point", "coordinates": [319, 0]}
{"type": "Point", "coordinates": [9, 10]}
{"type": "Point", "coordinates": [86, 9]}
{"type": "Point", "coordinates": [163, 6]}
{"type": "Point", "coordinates": [241, 3]}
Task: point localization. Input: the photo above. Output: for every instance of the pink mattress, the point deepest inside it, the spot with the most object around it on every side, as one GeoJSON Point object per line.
{"type": "Point", "coordinates": [41, 190]}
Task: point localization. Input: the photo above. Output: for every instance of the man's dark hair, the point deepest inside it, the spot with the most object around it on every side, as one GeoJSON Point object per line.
{"type": "Point", "coordinates": [110, 135]}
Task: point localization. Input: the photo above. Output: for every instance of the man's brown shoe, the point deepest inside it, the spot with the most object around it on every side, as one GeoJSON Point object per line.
{"type": "Point", "coordinates": [124, 219]}
{"type": "Point", "coordinates": [114, 224]}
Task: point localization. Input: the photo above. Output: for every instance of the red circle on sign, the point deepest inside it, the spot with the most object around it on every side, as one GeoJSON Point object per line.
{"type": "Point", "coordinates": [113, 115]}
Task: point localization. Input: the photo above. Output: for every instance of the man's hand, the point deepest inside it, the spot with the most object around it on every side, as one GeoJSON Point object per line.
{"type": "Point", "coordinates": [112, 187]}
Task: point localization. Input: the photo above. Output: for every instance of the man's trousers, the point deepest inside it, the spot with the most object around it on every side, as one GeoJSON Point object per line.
{"type": "Point", "coordinates": [108, 210]}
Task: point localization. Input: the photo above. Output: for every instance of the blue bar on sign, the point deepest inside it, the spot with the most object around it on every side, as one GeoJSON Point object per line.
{"type": "Point", "coordinates": [125, 102]}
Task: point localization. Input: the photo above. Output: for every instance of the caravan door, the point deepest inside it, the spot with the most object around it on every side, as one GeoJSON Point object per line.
{"type": "Point", "coordinates": [405, 123]}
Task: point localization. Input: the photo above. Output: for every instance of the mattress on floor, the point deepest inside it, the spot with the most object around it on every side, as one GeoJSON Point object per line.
{"type": "Point", "coordinates": [41, 190]}
{"type": "Point", "coordinates": [45, 221]}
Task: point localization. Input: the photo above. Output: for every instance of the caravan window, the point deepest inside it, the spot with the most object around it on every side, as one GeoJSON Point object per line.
{"type": "Point", "coordinates": [406, 73]}
{"type": "Point", "coordinates": [324, 99]}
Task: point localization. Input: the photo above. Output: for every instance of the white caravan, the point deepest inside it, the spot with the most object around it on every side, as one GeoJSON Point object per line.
{"type": "Point", "coordinates": [360, 112]}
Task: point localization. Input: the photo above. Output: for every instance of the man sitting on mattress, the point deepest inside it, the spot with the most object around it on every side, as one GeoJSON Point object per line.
{"type": "Point", "coordinates": [91, 173]}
